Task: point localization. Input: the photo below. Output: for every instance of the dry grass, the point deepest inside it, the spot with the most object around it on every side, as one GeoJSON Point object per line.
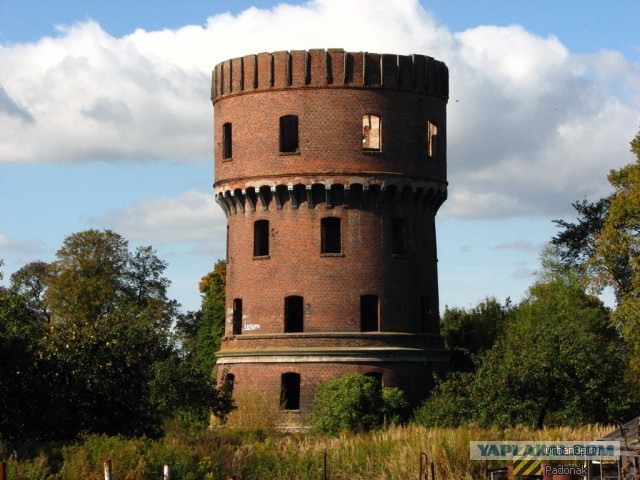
{"type": "Point", "coordinates": [262, 453]}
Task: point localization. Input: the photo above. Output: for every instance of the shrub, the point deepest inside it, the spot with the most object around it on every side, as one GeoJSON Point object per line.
{"type": "Point", "coordinates": [354, 402]}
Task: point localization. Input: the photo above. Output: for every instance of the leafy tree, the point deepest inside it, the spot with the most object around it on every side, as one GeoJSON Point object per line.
{"type": "Point", "coordinates": [468, 333]}
{"type": "Point", "coordinates": [559, 361]}
{"type": "Point", "coordinates": [211, 328]}
{"type": "Point", "coordinates": [354, 402]}
{"type": "Point", "coordinates": [576, 242]}
{"type": "Point", "coordinates": [107, 361]}
{"type": "Point", "coordinates": [87, 279]}
{"type": "Point", "coordinates": [30, 282]}
{"type": "Point", "coordinates": [23, 389]}
{"type": "Point", "coordinates": [617, 256]}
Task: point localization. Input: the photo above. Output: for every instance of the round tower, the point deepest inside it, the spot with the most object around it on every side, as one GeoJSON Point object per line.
{"type": "Point", "coordinates": [330, 167]}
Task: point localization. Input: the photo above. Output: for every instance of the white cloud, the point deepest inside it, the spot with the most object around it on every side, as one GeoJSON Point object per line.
{"type": "Point", "coordinates": [192, 217]}
{"type": "Point", "coordinates": [519, 245]}
{"type": "Point", "coordinates": [29, 247]}
{"type": "Point", "coordinates": [531, 127]}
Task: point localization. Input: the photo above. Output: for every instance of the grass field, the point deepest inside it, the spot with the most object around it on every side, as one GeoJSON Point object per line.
{"type": "Point", "coordinates": [264, 454]}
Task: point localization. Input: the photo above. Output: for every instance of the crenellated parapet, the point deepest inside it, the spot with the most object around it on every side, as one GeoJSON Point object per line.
{"type": "Point", "coordinates": [357, 193]}
{"type": "Point", "coordinates": [329, 68]}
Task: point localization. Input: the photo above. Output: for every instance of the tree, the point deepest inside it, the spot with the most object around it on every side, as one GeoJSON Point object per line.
{"type": "Point", "coordinates": [29, 282]}
{"type": "Point", "coordinates": [211, 328]}
{"type": "Point", "coordinates": [23, 389]}
{"type": "Point", "coordinates": [88, 277]}
{"type": "Point", "coordinates": [617, 255]}
{"type": "Point", "coordinates": [576, 242]}
{"type": "Point", "coordinates": [468, 333]}
{"type": "Point", "coordinates": [354, 403]}
{"type": "Point", "coordinates": [107, 361]}
{"type": "Point", "coordinates": [558, 361]}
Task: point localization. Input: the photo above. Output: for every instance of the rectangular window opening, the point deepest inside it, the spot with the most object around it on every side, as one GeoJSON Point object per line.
{"type": "Point", "coordinates": [293, 314]}
{"type": "Point", "coordinates": [330, 241]}
{"type": "Point", "coordinates": [398, 236]}
{"type": "Point", "coordinates": [226, 141]}
{"type": "Point", "coordinates": [237, 316]}
{"type": "Point", "coordinates": [261, 238]}
{"type": "Point", "coordinates": [369, 313]}
{"type": "Point", "coordinates": [289, 134]}
{"type": "Point", "coordinates": [371, 133]}
{"type": "Point", "coordinates": [426, 315]}
{"type": "Point", "coordinates": [432, 139]}
{"type": "Point", "coordinates": [290, 391]}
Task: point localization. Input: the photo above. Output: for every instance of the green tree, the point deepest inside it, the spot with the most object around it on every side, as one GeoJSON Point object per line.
{"type": "Point", "coordinates": [23, 389]}
{"type": "Point", "coordinates": [468, 333]}
{"type": "Point", "coordinates": [30, 282]}
{"type": "Point", "coordinates": [211, 327]}
{"type": "Point", "coordinates": [617, 256]}
{"type": "Point", "coordinates": [354, 402]}
{"type": "Point", "coordinates": [575, 243]}
{"type": "Point", "coordinates": [87, 279]}
{"type": "Point", "coordinates": [107, 359]}
{"type": "Point", "coordinates": [558, 361]}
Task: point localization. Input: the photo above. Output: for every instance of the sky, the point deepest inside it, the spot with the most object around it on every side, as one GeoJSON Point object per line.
{"type": "Point", "coordinates": [106, 121]}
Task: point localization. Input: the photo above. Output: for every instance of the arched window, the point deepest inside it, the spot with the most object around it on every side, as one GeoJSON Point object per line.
{"type": "Point", "coordinates": [290, 391]}
{"type": "Point", "coordinates": [289, 134]}
{"type": "Point", "coordinates": [229, 380]}
{"type": "Point", "coordinates": [237, 316]}
{"type": "Point", "coordinates": [377, 376]}
{"type": "Point", "coordinates": [397, 236]}
{"type": "Point", "coordinates": [293, 314]}
{"type": "Point", "coordinates": [260, 238]}
{"type": "Point", "coordinates": [226, 141]}
{"type": "Point", "coordinates": [330, 241]}
{"type": "Point", "coordinates": [432, 139]}
{"type": "Point", "coordinates": [371, 133]}
{"type": "Point", "coordinates": [369, 316]}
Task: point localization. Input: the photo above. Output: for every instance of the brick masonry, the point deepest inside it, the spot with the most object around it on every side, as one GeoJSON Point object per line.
{"type": "Point", "coordinates": [330, 175]}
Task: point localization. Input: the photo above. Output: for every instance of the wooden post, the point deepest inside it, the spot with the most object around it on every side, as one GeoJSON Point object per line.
{"type": "Point", "coordinates": [324, 474]}
{"type": "Point", "coordinates": [433, 472]}
{"type": "Point", "coordinates": [3, 470]}
{"type": "Point", "coordinates": [166, 472]}
{"type": "Point", "coordinates": [107, 470]}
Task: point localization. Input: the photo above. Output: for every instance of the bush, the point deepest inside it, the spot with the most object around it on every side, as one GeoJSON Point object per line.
{"type": "Point", "coordinates": [354, 403]}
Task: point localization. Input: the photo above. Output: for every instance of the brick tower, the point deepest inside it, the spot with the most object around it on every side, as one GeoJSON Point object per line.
{"type": "Point", "coordinates": [330, 167]}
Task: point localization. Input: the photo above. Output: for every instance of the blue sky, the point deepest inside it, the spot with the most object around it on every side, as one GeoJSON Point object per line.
{"type": "Point", "coordinates": [105, 120]}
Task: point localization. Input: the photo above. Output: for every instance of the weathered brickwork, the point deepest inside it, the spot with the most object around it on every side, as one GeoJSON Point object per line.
{"type": "Point", "coordinates": [386, 199]}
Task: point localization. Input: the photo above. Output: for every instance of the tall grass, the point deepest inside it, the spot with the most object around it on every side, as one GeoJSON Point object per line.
{"type": "Point", "coordinates": [264, 454]}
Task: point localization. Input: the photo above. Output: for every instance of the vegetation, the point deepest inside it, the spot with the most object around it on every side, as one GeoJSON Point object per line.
{"type": "Point", "coordinates": [355, 403]}
{"type": "Point", "coordinates": [86, 347]}
{"type": "Point", "coordinates": [259, 454]}
{"type": "Point", "coordinates": [557, 361]}
{"type": "Point", "coordinates": [101, 364]}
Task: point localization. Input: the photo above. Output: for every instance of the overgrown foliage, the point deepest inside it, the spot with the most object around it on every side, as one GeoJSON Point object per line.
{"type": "Point", "coordinates": [468, 333]}
{"type": "Point", "coordinates": [86, 347]}
{"type": "Point", "coordinates": [558, 362]}
{"type": "Point", "coordinates": [354, 403]}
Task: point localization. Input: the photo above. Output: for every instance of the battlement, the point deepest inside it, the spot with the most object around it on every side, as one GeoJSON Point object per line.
{"type": "Point", "coordinates": [329, 68]}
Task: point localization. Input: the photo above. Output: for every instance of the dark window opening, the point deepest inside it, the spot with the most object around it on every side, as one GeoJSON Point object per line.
{"type": "Point", "coordinates": [330, 235]}
{"type": "Point", "coordinates": [289, 134]}
{"type": "Point", "coordinates": [229, 381]}
{"type": "Point", "coordinates": [432, 139]}
{"type": "Point", "coordinates": [397, 236]}
{"type": "Point", "coordinates": [293, 314]}
{"type": "Point", "coordinates": [237, 316]}
{"type": "Point", "coordinates": [260, 238]}
{"type": "Point", "coordinates": [290, 391]}
{"type": "Point", "coordinates": [369, 313]}
{"type": "Point", "coordinates": [377, 376]}
{"type": "Point", "coordinates": [371, 132]}
{"type": "Point", "coordinates": [226, 141]}
{"type": "Point", "coordinates": [426, 314]}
